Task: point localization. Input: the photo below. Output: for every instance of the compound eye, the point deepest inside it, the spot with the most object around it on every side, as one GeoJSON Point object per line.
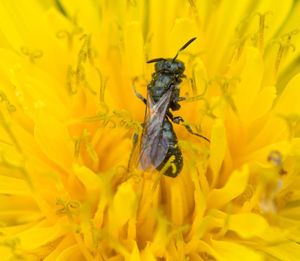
{"type": "Point", "coordinates": [181, 67]}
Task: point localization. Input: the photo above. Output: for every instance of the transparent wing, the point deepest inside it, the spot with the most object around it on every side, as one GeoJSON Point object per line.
{"type": "Point", "coordinates": [154, 145]}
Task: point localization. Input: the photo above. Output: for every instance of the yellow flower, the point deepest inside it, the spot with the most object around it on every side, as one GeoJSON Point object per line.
{"type": "Point", "coordinates": [68, 113]}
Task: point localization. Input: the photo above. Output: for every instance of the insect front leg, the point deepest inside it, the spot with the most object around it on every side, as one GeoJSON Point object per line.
{"type": "Point", "coordinates": [179, 120]}
{"type": "Point", "coordinates": [137, 94]}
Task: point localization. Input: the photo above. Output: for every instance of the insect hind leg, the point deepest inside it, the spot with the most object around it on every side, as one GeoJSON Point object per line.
{"type": "Point", "coordinates": [190, 130]}
{"type": "Point", "coordinates": [179, 120]}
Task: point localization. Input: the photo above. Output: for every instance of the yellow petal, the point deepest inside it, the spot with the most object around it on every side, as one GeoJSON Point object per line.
{"type": "Point", "coordinates": [219, 37]}
{"type": "Point", "coordinates": [183, 30]}
{"type": "Point", "coordinates": [39, 236]}
{"type": "Point", "coordinates": [286, 251]}
{"type": "Point", "coordinates": [179, 206]}
{"type": "Point", "coordinates": [235, 185]}
{"type": "Point", "coordinates": [158, 29]}
{"type": "Point", "coordinates": [15, 186]}
{"type": "Point", "coordinates": [247, 225]}
{"type": "Point", "coordinates": [218, 147]}
{"type": "Point", "coordinates": [54, 140]}
{"type": "Point", "coordinates": [29, 85]}
{"type": "Point", "coordinates": [86, 13]}
{"type": "Point", "coordinates": [250, 82]}
{"type": "Point", "coordinates": [63, 245]}
{"type": "Point", "coordinates": [235, 252]}
{"type": "Point", "coordinates": [274, 234]}
{"type": "Point", "coordinates": [289, 100]}
{"type": "Point", "coordinates": [134, 49]}
{"type": "Point", "coordinates": [199, 209]}
{"type": "Point", "coordinates": [282, 16]}
{"type": "Point", "coordinates": [288, 104]}
{"type": "Point", "coordinates": [71, 253]}
{"type": "Point", "coordinates": [124, 206]}
{"type": "Point", "coordinates": [161, 236]}
{"type": "Point", "coordinates": [204, 249]}
{"type": "Point", "coordinates": [262, 103]}
{"type": "Point", "coordinates": [6, 253]}
{"type": "Point", "coordinates": [147, 254]}
{"type": "Point", "coordinates": [89, 179]}
{"type": "Point", "coordinates": [135, 254]}
{"type": "Point", "coordinates": [16, 210]}
{"type": "Point", "coordinates": [200, 74]}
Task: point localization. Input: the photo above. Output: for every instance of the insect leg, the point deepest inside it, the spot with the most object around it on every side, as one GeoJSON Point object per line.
{"type": "Point", "coordinates": [175, 119]}
{"type": "Point", "coordinates": [190, 99]}
{"type": "Point", "coordinates": [135, 139]}
{"type": "Point", "coordinates": [137, 94]}
{"type": "Point", "coordinates": [181, 121]}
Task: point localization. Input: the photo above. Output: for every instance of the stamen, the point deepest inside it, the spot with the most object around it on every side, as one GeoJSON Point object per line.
{"type": "Point", "coordinates": [226, 88]}
{"type": "Point", "coordinates": [77, 148]}
{"type": "Point", "coordinates": [127, 121]}
{"type": "Point", "coordinates": [61, 8]}
{"type": "Point", "coordinates": [86, 49]}
{"type": "Point", "coordinates": [238, 49]}
{"type": "Point", "coordinates": [76, 30]}
{"type": "Point", "coordinates": [10, 133]}
{"type": "Point", "coordinates": [261, 30]}
{"type": "Point", "coordinates": [17, 163]}
{"type": "Point", "coordinates": [84, 55]}
{"type": "Point", "coordinates": [104, 117]}
{"type": "Point", "coordinates": [85, 138]}
{"type": "Point", "coordinates": [13, 244]}
{"type": "Point", "coordinates": [102, 88]}
{"type": "Point", "coordinates": [194, 11]}
{"type": "Point", "coordinates": [72, 87]}
{"type": "Point", "coordinates": [209, 109]}
{"type": "Point", "coordinates": [3, 98]}
{"type": "Point", "coordinates": [78, 76]}
{"type": "Point", "coordinates": [32, 54]}
{"type": "Point", "coordinates": [194, 84]}
{"type": "Point", "coordinates": [284, 46]}
{"type": "Point", "coordinates": [70, 207]}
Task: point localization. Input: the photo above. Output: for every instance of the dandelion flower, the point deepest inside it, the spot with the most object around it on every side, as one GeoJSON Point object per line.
{"type": "Point", "coordinates": [68, 113]}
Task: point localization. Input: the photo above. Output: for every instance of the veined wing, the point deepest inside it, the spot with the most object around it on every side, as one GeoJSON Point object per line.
{"type": "Point", "coordinates": [154, 145]}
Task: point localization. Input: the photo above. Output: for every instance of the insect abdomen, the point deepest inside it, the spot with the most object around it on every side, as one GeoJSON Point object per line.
{"type": "Point", "coordinates": [173, 150]}
{"type": "Point", "coordinates": [174, 169]}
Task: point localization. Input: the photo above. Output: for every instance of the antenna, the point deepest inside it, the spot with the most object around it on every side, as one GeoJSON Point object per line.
{"type": "Point", "coordinates": [184, 46]}
{"type": "Point", "coordinates": [156, 60]}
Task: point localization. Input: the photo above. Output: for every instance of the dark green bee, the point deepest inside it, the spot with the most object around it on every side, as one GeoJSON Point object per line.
{"type": "Point", "coordinates": [159, 142]}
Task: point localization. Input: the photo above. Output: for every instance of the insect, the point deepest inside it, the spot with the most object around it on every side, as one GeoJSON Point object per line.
{"type": "Point", "coordinates": [159, 142]}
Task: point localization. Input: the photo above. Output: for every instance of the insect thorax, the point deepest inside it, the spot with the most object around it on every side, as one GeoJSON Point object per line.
{"type": "Point", "coordinates": [161, 83]}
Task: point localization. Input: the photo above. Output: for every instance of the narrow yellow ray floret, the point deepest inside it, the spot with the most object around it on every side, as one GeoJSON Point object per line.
{"type": "Point", "coordinates": [70, 185]}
